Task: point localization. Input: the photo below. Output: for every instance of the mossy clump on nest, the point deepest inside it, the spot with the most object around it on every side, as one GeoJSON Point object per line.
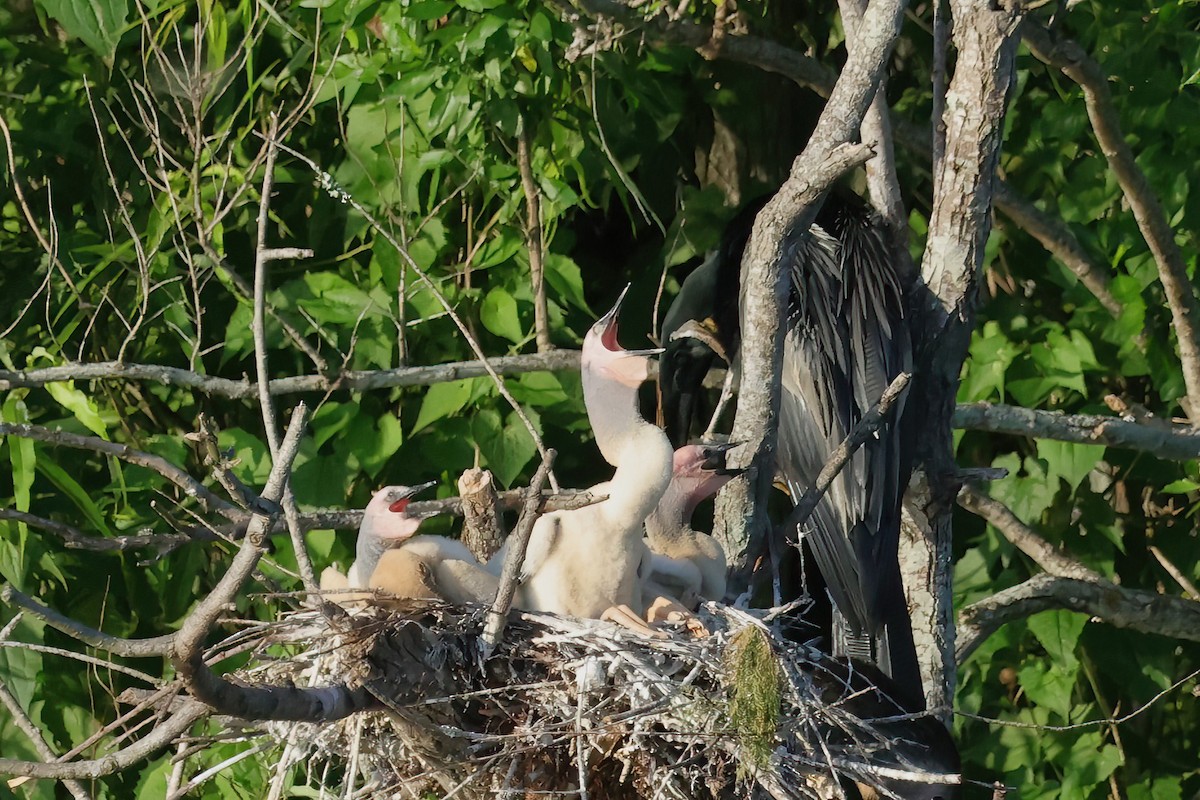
{"type": "Point", "coordinates": [754, 692]}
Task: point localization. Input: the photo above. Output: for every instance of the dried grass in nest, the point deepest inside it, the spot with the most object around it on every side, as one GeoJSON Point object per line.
{"type": "Point", "coordinates": [739, 712]}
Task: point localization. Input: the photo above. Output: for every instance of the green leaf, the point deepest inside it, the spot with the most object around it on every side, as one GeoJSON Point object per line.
{"type": "Point", "coordinates": [505, 449]}
{"type": "Point", "coordinates": [499, 315]}
{"type": "Point", "coordinates": [565, 278]}
{"type": "Point", "coordinates": [372, 442]}
{"type": "Point", "coordinates": [76, 493]}
{"type": "Point", "coordinates": [429, 9]}
{"type": "Point", "coordinates": [440, 401]}
{"type": "Point", "coordinates": [1050, 686]}
{"type": "Point", "coordinates": [1181, 486]}
{"type": "Point", "coordinates": [1058, 631]}
{"type": "Point", "coordinates": [1157, 789]}
{"type": "Point", "coordinates": [1069, 461]}
{"type": "Point", "coordinates": [97, 22]}
{"type": "Point", "coordinates": [252, 454]}
{"type": "Point", "coordinates": [21, 453]}
{"type": "Point", "coordinates": [1091, 762]}
{"type": "Point", "coordinates": [79, 404]}
{"type": "Point", "coordinates": [153, 778]}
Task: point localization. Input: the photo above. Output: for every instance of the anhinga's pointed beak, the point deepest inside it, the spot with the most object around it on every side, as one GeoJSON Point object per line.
{"type": "Point", "coordinates": [714, 458]}
{"type": "Point", "coordinates": [399, 496]}
{"type": "Point", "coordinates": [606, 329]}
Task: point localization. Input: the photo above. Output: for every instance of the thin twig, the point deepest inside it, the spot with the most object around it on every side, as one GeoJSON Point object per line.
{"type": "Point", "coordinates": [533, 237]}
{"type": "Point", "coordinates": [1176, 573]}
{"type": "Point", "coordinates": [26, 726]}
{"type": "Point", "coordinates": [515, 557]}
{"type": "Point", "coordinates": [190, 486]}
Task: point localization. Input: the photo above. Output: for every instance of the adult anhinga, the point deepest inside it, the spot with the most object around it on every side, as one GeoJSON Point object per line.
{"type": "Point", "coordinates": [846, 340]}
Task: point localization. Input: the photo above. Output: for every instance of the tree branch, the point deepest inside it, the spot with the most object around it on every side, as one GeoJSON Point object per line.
{"type": "Point", "coordinates": [1077, 65]}
{"type": "Point", "coordinates": [1023, 537]}
{"type": "Point", "coordinates": [1176, 442]}
{"type": "Point", "coordinates": [865, 429]}
{"type": "Point", "coordinates": [22, 721]}
{"type": "Point", "coordinates": [533, 238]}
{"type": "Point", "coordinates": [256, 702]}
{"type": "Point", "coordinates": [161, 736]}
{"type": "Point", "coordinates": [152, 647]}
{"type": "Point", "coordinates": [176, 475]}
{"type": "Point", "coordinates": [263, 256]}
{"type": "Point", "coordinates": [348, 380]}
{"type": "Point", "coordinates": [74, 539]}
{"type": "Point", "coordinates": [741, 505]}
{"type": "Point", "coordinates": [515, 557]}
{"type": "Point", "coordinates": [959, 225]}
{"type": "Point", "coordinates": [1135, 609]}
{"type": "Point", "coordinates": [883, 183]}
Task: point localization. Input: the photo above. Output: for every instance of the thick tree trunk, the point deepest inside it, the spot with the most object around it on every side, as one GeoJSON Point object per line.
{"type": "Point", "coordinates": [983, 35]}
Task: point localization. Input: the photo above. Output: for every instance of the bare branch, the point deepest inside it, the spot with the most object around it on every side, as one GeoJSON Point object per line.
{"type": "Point", "coordinates": [262, 257]}
{"type": "Point", "coordinates": [256, 702]}
{"type": "Point", "coordinates": [349, 380]}
{"type": "Point", "coordinates": [515, 557]}
{"type": "Point", "coordinates": [1175, 572]}
{"type": "Point", "coordinates": [1055, 235]}
{"type": "Point", "coordinates": [130, 648]}
{"type": "Point", "coordinates": [162, 735]}
{"type": "Point", "coordinates": [74, 539]}
{"type": "Point", "coordinates": [26, 726]}
{"type": "Point", "coordinates": [483, 527]}
{"type": "Point", "coordinates": [741, 506]}
{"type": "Point", "coordinates": [883, 183]}
{"type": "Point", "coordinates": [190, 486]}
{"type": "Point", "coordinates": [1077, 65]}
{"type": "Point", "coordinates": [1136, 609]}
{"type": "Point", "coordinates": [533, 238]}
{"type": "Point", "coordinates": [1023, 537]}
{"type": "Point", "coordinates": [1164, 440]}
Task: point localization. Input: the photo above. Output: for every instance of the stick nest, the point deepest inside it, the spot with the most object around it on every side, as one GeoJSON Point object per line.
{"type": "Point", "coordinates": [566, 702]}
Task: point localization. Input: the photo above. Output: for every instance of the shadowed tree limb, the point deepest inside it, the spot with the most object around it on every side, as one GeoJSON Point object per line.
{"type": "Point", "coordinates": [256, 702]}
{"type": "Point", "coordinates": [1077, 65]}
{"type": "Point", "coordinates": [1136, 609]}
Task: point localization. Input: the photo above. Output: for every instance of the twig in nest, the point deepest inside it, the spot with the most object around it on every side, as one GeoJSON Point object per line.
{"type": "Point", "coordinates": [516, 555]}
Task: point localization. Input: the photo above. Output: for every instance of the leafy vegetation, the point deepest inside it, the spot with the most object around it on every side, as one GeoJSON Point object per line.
{"type": "Point", "coordinates": [128, 231]}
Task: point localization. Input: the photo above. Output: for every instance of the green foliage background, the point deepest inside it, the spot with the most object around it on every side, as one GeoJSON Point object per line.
{"type": "Point", "coordinates": [135, 141]}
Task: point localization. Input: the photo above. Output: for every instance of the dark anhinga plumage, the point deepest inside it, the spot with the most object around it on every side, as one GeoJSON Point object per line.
{"type": "Point", "coordinates": [846, 340]}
